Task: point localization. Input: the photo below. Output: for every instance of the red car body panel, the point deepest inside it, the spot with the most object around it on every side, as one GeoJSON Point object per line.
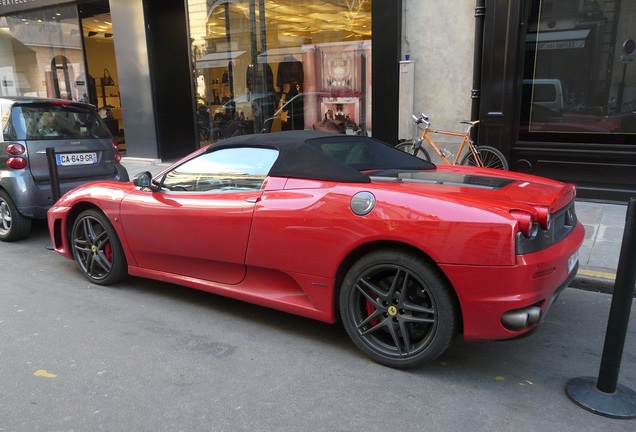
{"type": "Point", "coordinates": [286, 245]}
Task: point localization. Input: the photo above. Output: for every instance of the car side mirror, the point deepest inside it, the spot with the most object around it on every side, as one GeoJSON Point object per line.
{"type": "Point", "coordinates": [143, 179]}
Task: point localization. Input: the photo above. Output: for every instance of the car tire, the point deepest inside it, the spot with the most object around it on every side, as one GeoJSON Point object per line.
{"type": "Point", "coordinates": [398, 308]}
{"type": "Point", "coordinates": [97, 249]}
{"type": "Point", "coordinates": [490, 157]}
{"type": "Point", "coordinates": [13, 226]}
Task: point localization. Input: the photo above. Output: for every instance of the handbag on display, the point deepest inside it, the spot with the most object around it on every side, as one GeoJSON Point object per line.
{"type": "Point", "coordinates": [329, 124]}
{"type": "Point", "coordinates": [107, 80]}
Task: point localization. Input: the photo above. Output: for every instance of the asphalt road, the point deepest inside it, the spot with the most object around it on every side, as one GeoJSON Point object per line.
{"type": "Point", "coordinates": [150, 356]}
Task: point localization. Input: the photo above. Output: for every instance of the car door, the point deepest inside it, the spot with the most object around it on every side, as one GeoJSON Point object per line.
{"type": "Point", "coordinates": [197, 224]}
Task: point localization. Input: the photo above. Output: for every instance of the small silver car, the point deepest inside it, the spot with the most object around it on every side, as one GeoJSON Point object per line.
{"type": "Point", "coordinates": [84, 151]}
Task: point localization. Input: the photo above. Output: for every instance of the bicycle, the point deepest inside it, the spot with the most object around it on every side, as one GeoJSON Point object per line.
{"type": "Point", "coordinates": [480, 156]}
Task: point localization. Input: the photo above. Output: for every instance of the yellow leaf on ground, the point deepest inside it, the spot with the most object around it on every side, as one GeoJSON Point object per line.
{"type": "Point", "coordinates": [45, 374]}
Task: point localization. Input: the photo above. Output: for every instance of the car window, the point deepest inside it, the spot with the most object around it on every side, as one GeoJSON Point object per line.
{"type": "Point", "coordinates": [348, 152]}
{"type": "Point", "coordinates": [224, 170]}
{"type": "Point", "coordinates": [7, 130]}
{"type": "Point", "coordinates": [57, 121]}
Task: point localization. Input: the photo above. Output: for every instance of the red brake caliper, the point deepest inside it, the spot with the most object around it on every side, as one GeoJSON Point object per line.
{"type": "Point", "coordinates": [108, 251]}
{"type": "Point", "coordinates": [370, 309]}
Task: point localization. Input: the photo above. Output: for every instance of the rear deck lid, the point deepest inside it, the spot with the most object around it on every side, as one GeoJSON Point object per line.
{"type": "Point", "coordinates": [503, 186]}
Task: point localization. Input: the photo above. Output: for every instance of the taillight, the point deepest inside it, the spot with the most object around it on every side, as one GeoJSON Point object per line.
{"type": "Point", "coordinates": [17, 163]}
{"type": "Point", "coordinates": [525, 221]}
{"type": "Point", "coordinates": [543, 217]}
{"type": "Point", "coordinates": [61, 102]}
{"type": "Point", "coordinates": [117, 154]}
{"type": "Point", "coordinates": [15, 149]}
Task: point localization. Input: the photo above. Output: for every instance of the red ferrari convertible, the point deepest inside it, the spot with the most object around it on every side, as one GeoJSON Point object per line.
{"type": "Point", "coordinates": [328, 226]}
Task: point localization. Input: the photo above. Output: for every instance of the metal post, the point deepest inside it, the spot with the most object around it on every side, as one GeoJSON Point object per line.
{"type": "Point", "coordinates": [604, 396]}
{"type": "Point", "coordinates": [55, 180]}
{"type": "Point", "coordinates": [480, 14]}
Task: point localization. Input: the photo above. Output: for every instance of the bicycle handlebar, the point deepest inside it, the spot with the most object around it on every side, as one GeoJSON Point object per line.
{"type": "Point", "coordinates": [423, 118]}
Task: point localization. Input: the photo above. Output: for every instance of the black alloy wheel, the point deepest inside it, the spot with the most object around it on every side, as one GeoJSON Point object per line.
{"type": "Point", "coordinates": [97, 249]}
{"type": "Point", "coordinates": [398, 309]}
{"type": "Point", "coordinates": [13, 226]}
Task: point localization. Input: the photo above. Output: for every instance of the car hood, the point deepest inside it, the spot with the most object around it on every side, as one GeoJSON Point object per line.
{"type": "Point", "coordinates": [507, 188]}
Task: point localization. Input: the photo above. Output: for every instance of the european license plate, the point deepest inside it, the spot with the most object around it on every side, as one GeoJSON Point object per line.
{"type": "Point", "coordinates": [76, 158]}
{"type": "Point", "coordinates": [572, 261]}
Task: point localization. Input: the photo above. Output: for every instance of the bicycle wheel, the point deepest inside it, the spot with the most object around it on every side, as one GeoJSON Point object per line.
{"type": "Point", "coordinates": [420, 152]}
{"type": "Point", "coordinates": [490, 157]}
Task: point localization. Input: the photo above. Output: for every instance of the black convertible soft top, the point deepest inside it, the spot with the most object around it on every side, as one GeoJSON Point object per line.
{"type": "Point", "coordinates": [327, 156]}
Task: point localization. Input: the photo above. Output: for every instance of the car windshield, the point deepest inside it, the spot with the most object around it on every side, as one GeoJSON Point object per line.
{"type": "Point", "coordinates": [47, 121]}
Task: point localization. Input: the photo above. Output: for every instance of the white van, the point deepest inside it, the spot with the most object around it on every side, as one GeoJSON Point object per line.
{"type": "Point", "coordinates": [546, 92]}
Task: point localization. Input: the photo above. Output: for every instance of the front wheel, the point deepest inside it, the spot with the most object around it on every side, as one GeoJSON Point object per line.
{"type": "Point", "coordinates": [97, 249]}
{"type": "Point", "coordinates": [13, 226]}
{"type": "Point", "coordinates": [398, 309]}
{"type": "Point", "coordinates": [490, 158]}
{"type": "Point", "coordinates": [414, 149]}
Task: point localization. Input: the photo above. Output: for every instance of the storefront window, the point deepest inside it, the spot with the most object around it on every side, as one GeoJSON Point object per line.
{"type": "Point", "coordinates": [42, 55]}
{"type": "Point", "coordinates": [262, 66]}
{"type": "Point", "coordinates": [580, 72]}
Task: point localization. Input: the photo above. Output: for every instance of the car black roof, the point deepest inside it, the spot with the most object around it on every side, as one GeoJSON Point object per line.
{"type": "Point", "coordinates": [327, 156]}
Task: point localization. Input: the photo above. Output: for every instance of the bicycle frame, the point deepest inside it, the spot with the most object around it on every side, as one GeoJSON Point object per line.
{"type": "Point", "coordinates": [465, 141]}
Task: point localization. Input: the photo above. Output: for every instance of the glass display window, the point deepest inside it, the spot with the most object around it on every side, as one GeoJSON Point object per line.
{"type": "Point", "coordinates": [42, 54]}
{"type": "Point", "coordinates": [579, 81]}
{"type": "Point", "coordinates": [263, 66]}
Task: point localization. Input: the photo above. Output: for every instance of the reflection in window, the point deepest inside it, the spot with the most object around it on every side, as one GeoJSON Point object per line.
{"type": "Point", "coordinates": [580, 70]}
{"type": "Point", "coordinates": [264, 66]}
{"type": "Point", "coordinates": [55, 121]}
{"type": "Point", "coordinates": [225, 170]}
{"type": "Point", "coordinates": [45, 56]}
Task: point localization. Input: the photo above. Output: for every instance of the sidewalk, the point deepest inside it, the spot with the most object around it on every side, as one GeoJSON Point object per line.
{"type": "Point", "coordinates": [135, 166]}
{"type": "Point", "coordinates": [598, 261]}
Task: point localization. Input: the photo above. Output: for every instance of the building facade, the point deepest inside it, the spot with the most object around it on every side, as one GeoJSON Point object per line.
{"type": "Point", "coordinates": [172, 75]}
{"type": "Point", "coordinates": [553, 82]}
{"type": "Point", "coordinates": [559, 80]}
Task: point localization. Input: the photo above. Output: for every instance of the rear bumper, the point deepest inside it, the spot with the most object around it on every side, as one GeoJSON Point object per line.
{"type": "Point", "coordinates": [486, 294]}
{"type": "Point", "coordinates": [33, 199]}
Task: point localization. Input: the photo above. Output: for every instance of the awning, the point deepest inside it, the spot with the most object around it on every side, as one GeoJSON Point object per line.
{"type": "Point", "coordinates": [277, 55]}
{"type": "Point", "coordinates": [567, 39]}
{"type": "Point", "coordinates": [214, 60]}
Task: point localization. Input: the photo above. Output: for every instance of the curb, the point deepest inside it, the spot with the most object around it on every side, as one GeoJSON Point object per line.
{"type": "Point", "coordinates": [140, 161]}
{"type": "Point", "coordinates": [591, 280]}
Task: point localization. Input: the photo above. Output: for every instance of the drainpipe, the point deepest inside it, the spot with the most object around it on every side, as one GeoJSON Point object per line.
{"type": "Point", "coordinates": [480, 13]}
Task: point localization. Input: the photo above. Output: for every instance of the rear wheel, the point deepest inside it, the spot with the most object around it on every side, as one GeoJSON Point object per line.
{"type": "Point", "coordinates": [97, 249]}
{"type": "Point", "coordinates": [398, 309]}
{"type": "Point", "coordinates": [490, 157]}
{"type": "Point", "coordinates": [13, 226]}
{"type": "Point", "coordinates": [416, 150]}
